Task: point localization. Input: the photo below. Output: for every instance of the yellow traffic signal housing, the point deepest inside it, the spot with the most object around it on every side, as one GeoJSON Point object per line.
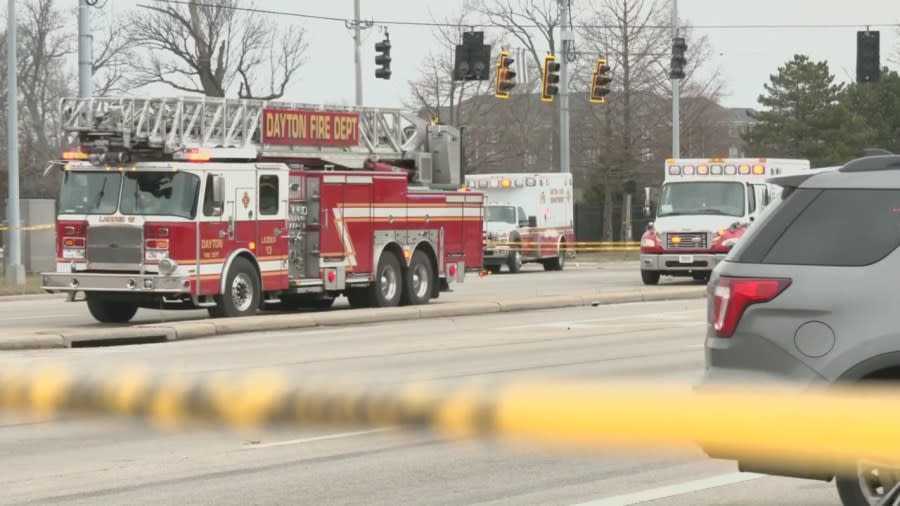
{"type": "Point", "coordinates": [505, 78]}
{"type": "Point", "coordinates": [600, 82]}
{"type": "Point", "coordinates": [550, 81]}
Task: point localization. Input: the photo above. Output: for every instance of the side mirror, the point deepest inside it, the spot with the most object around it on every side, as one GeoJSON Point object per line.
{"type": "Point", "coordinates": [532, 221]}
{"type": "Point", "coordinates": [219, 191]}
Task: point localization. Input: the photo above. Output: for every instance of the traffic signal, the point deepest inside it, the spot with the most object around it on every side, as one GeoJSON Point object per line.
{"type": "Point", "coordinates": [679, 46]}
{"type": "Point", "coordinates": [472, 60]}
{"type": "Point", "coordinates": [383, 59]}
{"type": "Point", "coordinates": [600, 82]}
{"type": "Point", "coordinates": [505, 76]}
{"type": "Point", "coordinates": [868, 64]}
{"type": "Point", "coordinates": [549, 87]}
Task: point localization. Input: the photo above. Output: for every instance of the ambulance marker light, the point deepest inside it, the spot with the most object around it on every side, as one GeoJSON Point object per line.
{"type": "Point", "coordinates": [506, 183]}
{"type": "Point", "coordinates": [759, 170]}
{"type": "Point", "coordinates": [196, 155]}
{"type": "Point", "coordinates": [745, 169]}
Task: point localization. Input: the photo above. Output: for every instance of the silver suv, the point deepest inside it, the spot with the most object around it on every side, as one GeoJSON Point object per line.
{"type": "Point", "coordinates": [808, 295]}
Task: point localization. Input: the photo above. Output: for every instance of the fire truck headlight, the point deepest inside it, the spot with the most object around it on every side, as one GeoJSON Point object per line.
{"type": "Point", "coordinates": [167, 266]}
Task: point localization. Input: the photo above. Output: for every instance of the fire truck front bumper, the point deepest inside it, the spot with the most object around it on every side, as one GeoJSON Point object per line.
{"type": "Point", "coordinates": [683, 263]}
{"type": "Point", "coordinates": [58, 282]}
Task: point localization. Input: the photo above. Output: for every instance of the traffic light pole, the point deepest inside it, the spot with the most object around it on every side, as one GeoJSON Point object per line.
{"type": "Point", "coordinates": [676, 92]}
{"type": "Point", "coordinates": [567, 38]}
{"type": "Point", "coordinates": [15, 271]}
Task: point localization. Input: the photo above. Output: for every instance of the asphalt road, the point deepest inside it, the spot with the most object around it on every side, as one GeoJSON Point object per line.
{"type": "Point", "coordinates": [87, 461]}
{"type": "Point", "coordinates": [32, 314]}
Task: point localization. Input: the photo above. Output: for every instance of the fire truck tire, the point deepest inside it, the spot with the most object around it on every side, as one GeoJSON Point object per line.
{"type": "Point", "coordinates": [107, 310]}
{"type": "Point", "coordinates": [650, 277]}
{"type": "Point", "coordinates": [418, 280]}
{"type": "Point", "coordinates": [388, 287]}
{"type": "Point", "coordinates": [242, 291]}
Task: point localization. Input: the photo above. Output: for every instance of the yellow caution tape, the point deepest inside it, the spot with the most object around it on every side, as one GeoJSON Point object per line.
{"type": "Point", "coordinates": [30, 228]}
{"type": "Point", "coordinates": [823, 430]}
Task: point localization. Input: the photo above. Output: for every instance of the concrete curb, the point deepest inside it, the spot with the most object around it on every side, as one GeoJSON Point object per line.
{"type": "Point", "coordinates": [177, 331]}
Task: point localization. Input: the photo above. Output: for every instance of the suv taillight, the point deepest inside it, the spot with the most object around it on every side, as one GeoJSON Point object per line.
{"type": "Point", "coordinates": [731, 296]}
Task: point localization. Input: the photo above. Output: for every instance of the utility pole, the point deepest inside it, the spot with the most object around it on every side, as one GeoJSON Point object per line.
{"type": "Point", "coordinates": [85, 48]}
{"type": "Point", "coordinates": [567, 38]}
{"type": "Point", "coordinates": [15, 271]}
{"type": "Point", "coordinates": [358, 26]}
{"type": "Point", "coordinates": [676, 91]}
{"type": "Point", "coordinates": [357, 42]}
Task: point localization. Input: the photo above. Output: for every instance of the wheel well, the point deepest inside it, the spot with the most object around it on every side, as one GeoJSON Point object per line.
{"type": "Point", "coordinates": [394, 248]}
{"type": "Point", "coordinates": [250, 258]}
{"type": "Point", "coordinates": [888, 373]}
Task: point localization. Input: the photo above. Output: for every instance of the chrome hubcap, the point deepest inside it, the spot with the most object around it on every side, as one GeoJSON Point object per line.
{"type": "Point", "coordinates": [420, 281]}
{"type": "Point", "coordinates": [242, 292]}
{"type": "Point", "coordinates": [876, 479]}
{"type": "Point", "coordinates": [388, 283]}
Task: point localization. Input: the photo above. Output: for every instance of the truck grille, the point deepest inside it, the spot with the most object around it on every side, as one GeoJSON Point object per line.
{"type": "Point", "coordinates": [115, 245]}
{"type": "Point", "coordinates": [687, 240]}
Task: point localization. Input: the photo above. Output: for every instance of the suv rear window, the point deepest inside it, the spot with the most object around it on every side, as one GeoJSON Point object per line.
{"type": "Point", "coordinates": [838, 227]}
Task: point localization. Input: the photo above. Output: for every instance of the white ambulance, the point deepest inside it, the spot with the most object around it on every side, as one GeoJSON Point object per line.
{"type": "Point", "coordinates": [529, 217]}
{"type": "Point", "coordinates": [702, 210]}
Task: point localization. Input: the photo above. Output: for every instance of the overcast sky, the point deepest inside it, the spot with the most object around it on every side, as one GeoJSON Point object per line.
{"type": "Point", "coordinates": [746, 56]}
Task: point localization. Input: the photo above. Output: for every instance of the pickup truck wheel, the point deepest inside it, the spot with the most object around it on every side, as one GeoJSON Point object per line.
{"type": "Point", "coordinates": [242, 291]}
{"type": "Point", "coordinates": [650, 277]}
{"type": "Point", "coordinates": [107, 310]}
{"type": "Point", "coordinates": [418, 280]}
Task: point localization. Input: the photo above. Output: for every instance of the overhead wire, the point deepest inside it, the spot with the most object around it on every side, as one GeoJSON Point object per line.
{"type": "Point", "coordinates": [396, 22]}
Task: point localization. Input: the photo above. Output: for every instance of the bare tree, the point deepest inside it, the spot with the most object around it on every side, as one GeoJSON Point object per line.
{"type": "Point", "coordinates": [214, 47]}
{"type": "Point", "coordinates": [635, 36]}
{"type": "Point", "coordinates": [533, 24]}
{"type": "Point", "coordinates": [113, 49]}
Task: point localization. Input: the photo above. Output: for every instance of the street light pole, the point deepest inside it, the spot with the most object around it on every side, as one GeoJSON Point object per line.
{"type": "Point", "coordinates": [357, 42]}
{"type": "Point", "coordinates": [85, 50]}
{"type": "Point", "coordinates": [15, 271]}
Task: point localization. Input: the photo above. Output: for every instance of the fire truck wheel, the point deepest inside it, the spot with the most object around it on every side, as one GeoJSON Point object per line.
{"type": "Point", "coordinates": [241, 297]}
{"type": "Point", "coordinates": [418, 280]}
{"type": "Point", "coordinates": [106, 310]}
{"type": "Point", "coordinates": [650, 277]}
{"type": "Point", "coordinates": [388, 287]}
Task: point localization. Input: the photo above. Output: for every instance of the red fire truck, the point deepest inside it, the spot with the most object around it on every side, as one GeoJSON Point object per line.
{"type": "Point", "coordinates": [230, 205]}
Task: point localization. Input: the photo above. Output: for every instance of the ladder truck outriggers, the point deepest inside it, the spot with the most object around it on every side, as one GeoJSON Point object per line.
{"type": "Point", "coordinates": [233, 205]}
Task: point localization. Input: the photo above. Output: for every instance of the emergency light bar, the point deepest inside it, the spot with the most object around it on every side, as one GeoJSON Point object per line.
{"type": "Point", "coordinates": [717, 170]}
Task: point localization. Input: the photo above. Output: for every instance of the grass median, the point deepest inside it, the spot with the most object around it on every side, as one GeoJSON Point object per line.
{"type": "Point", "coordinates": [32, 286]}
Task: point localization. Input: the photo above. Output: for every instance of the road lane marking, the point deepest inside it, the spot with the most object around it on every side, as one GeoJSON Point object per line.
{"type": "Point", "coordinates": [673, 490]}
{"type": "Point", "coordinates": [327, 437]}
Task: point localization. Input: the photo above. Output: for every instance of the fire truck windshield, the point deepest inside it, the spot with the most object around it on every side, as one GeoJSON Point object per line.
{"type": "Point", "coordinates": [142, 193]}
{"type": "Point", "coordinates": [89, 192]}
{"type": "Point", "coordinates": [160, 193]}
{"type": "Point", "coordinates": [500, 214]}
{"type": "Point", "coordinates": [702, 197]}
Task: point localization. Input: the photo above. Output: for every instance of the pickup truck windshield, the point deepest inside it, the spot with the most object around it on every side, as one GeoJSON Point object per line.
{"type": "Point", "coordinates": [500, 214]}
{"type": "Point", "coordinates": [702, 197]}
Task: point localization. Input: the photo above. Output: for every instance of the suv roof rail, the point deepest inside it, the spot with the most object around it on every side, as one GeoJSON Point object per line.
{"type": "Point", "coordinates": [872, 163]}
{"type": "Point", "coordinates": [875, 152]}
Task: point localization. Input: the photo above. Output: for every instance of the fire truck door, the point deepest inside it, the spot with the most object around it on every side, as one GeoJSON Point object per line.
{"type": "Point", "coordinates": [243, 216]}
{"type": "Point", "coordinates": [272, 230]}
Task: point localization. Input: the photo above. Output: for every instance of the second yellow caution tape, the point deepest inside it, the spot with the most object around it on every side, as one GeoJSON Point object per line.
{"type": "Point", "coordinates": [821, 430]}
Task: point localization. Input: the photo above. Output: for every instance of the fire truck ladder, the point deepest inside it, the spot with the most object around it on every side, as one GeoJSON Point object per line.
{"type": "Point", "coordinates": [229, 129]}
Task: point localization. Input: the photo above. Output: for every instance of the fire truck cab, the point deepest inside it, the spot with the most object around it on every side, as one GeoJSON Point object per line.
{"type": "Point", "coordinates": [703, 208]}
{"type": "Point", "coordinates": [232, 205]}
{"type": "Point", "coordinates": [529, 217]}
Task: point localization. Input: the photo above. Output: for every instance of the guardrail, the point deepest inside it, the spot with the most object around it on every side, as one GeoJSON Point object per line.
{"type": "Point", "coordinates": [820, 429]}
